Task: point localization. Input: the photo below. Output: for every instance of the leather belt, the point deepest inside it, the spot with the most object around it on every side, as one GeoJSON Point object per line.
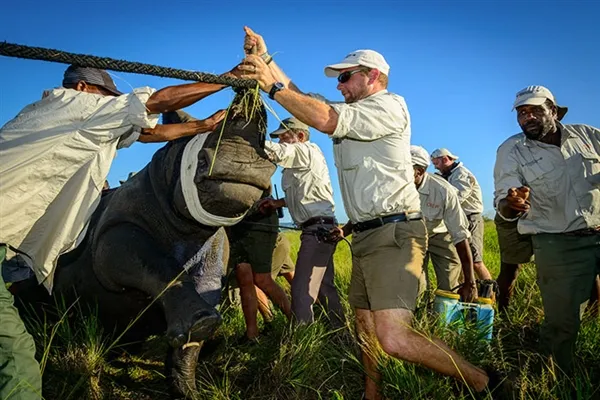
{"type": "Point", "coordinates": [584, 232]}
{"type": "Point", "coordinates": [377, 222]}
{"type": "Point", "coordinates": [318, 220]}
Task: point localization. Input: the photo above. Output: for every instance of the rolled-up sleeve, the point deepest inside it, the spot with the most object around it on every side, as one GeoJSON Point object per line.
{"type": "Point", "coordinates": [288, 155]}
{"type": "Point", "coordinates": [371, 118]}
{"type": "Point", "coordinates": [113, 117]}
{"type": "Point", "coordinates": [455, 219]}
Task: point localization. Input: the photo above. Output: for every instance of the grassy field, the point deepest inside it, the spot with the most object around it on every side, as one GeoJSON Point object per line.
{"type": "Point", "coordinates": [312, 362]}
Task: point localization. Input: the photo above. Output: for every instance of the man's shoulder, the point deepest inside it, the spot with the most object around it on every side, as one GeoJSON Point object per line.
{"type": "Point", "coordinates": [440, 184]}
{"type": "Point", "coordinates": [582, 129]}
{"type": "Point", "coordinates": [512, 142]}
{"type": "Point", "coordinates": [384, 96]}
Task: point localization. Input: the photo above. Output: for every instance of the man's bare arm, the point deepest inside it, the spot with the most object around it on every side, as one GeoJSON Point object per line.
{"type": "Point", "coordinates": [166, 133]}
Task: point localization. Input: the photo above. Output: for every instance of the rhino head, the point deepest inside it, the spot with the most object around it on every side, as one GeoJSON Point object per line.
{"type": "Point", "coordinates": [229, 171]}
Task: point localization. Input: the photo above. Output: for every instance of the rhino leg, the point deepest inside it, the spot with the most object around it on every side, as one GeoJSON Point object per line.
{"type": "Point", "coordinates": [181, 369]}
{"type": "Point", "coordinates": [128, 257]}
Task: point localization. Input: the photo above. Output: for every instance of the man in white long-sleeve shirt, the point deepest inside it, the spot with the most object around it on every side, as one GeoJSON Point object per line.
{"type": "Point", "coordinates": [56, 154]}
{"type": "Point", "coordinates": [447, 229]}
{"type": "Point", "coordinates": [309, 199]}
{"type": "Point", "coordinates": [471, 200]}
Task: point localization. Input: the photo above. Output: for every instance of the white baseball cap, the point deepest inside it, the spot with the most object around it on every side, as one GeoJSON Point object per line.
{"type": "Point", "coordinates": [366, 58]}
{"type": "Point", "coordinates": [419, 156]}
{"type": "Point", "coordinates": [443, 152]}
{"type": "Point", "coordinates": [536, 96]}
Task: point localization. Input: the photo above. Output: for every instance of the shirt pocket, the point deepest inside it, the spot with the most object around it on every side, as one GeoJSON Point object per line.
{"type": "Point", "coordinates": [543, 177]}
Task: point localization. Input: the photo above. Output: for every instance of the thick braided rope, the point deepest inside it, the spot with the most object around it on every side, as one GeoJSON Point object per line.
{"type": "Point", "coordinates": [83, 60]}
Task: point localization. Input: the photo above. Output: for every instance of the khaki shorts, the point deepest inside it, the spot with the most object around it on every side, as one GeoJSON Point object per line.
{"type": "Point", "coordinates": [514, 247]}
{"type": "Point", "coordinates": [445, 260]}
{"type": "Point", "coordinates": [386, 266]}
{"type": "Point", "coordinates": [282, 262]}
{"type": "Point", "coordinates": [476, 227]}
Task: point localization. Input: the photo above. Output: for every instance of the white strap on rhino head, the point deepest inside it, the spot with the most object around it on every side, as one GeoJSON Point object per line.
{"type": "Point", "coordinates": [189, 163]}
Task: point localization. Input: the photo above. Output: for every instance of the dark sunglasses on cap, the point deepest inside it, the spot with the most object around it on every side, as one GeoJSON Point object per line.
{"type": "Point", "coordinates": [345, 76]}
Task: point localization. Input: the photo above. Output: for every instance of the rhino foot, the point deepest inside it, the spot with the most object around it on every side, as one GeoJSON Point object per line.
{"type": "Point", "coordinates": [202, 327]}
{"type": "Point", "coordinates": [181, 370]}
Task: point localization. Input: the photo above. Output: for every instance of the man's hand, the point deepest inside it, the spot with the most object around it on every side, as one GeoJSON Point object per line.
{"type": "Point", "coordinates": [268, 205]}
{"type": "Point", "coordinates": [340, 232]}
{"type": "Point", "coordinates": [254, 67]}
{"type": "Point", "coordinates": [518, 199]}
{"type": "Point", "coordinates": [233, 73]}
{"type": "Point", "coordinates": [214, 120]}
{"type": "Point", "coordinates": [468, 292]}
{"type": "Point", "coordinates": [254, 43]}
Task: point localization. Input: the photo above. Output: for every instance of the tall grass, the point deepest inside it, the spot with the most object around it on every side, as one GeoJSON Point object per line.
{"type": "Point", "coordinates": [314, 362]}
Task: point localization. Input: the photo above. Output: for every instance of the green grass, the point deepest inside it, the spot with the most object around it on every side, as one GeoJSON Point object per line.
{"type": "Point", "coordinates": [312, 362]}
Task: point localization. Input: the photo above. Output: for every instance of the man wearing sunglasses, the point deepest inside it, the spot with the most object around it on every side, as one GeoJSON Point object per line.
{"type": "Point", "coordinates": [371, 137]}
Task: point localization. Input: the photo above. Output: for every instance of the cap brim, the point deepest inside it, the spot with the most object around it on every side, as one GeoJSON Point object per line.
{"type": "Point", "coordinates": [277, 133]}
{"type": "Point", "coordinates": [113, 91]}
{"type": "Point", "coordinates": [532, 101]}
{"type": "Point", "coordinates": [332, 71]}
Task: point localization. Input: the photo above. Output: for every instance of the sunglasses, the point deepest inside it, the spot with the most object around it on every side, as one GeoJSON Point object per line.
{"type": "Point", "coordinates": [345, 76]}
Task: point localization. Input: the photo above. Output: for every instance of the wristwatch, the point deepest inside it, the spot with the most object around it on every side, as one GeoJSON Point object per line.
{"type": "Point", "coordinates": [277, 86]}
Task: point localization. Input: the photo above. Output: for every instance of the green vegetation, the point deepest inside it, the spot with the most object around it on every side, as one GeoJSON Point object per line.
{"type": "Point", "coordinates": [312, 362]}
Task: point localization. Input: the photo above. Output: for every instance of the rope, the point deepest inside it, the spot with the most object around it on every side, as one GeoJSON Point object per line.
{"type": "Point", "coordinates": [83, 60]}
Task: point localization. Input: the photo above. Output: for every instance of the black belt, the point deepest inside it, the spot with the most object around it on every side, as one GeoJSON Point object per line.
{"type": "Point", "coordinates": [584, 232]}
{"type": "Point", "coordinates": [377, 222]}
{"type": "Point", "coordinates": [318, 220]}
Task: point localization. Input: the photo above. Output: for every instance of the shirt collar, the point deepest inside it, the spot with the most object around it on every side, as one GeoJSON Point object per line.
{"type": "Point", "coordinates": [563, 137]}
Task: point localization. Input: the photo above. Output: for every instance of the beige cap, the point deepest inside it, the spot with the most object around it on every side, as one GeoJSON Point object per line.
{"type": "Point", "coordinates": [290, 124]}
{"type": "Point", "coordinates": [419, 156]}
{"type": "Point", "coordinates": [536, 96]}
{"type": "Point", "coordinates": [366, 58]}
{"type": "Point", "coordinates": [443, 152]}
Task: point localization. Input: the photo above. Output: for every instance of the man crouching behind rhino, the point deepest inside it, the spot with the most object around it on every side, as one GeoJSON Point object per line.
{"type": "Point", "coordinates": [165, 220]}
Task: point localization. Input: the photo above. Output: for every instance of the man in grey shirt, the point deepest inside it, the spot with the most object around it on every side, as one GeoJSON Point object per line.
{"type": "Point", "coordinates": [548, 179]}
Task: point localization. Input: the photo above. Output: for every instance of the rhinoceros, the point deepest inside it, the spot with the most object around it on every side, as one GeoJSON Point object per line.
{"type": "Point", "coordinates": [158, 236]}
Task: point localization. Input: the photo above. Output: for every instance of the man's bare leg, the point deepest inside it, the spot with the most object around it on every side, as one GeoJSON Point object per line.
{"type": "Point", "coordinates": [264, 307]}
{"type": "Point", "coordinates": [365, 330]}
{"type": "Point", "coordinates": [289, 276]}
{"type": "Point", "coordinates": [245, 280]}
{"type": "Point", "coordinates": [266, 283]}
{"type": "Point", "coordinates": [593, 306]}
{"type": "Point", "coordinates": [506, 283]}
{"type": "Point", "coordinates": [398, 339]}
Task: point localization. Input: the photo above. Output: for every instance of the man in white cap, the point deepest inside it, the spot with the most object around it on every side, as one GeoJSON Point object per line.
{"type": "Point", "coordinates": [56, 154]}
{"type": "Point", "coordinates": [447, 227]}
{"type": "Point", "coordinates": [309, 199]}
{"type": "Point", "coordinates": [548, 179]}
{"type": "Point", "coordinates": [471, 201]}
{"type": "Point", "coordinates": [371, 144]}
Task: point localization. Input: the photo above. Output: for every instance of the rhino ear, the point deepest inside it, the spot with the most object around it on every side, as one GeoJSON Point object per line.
{"type": "Point", "coordinates": [177, 117]}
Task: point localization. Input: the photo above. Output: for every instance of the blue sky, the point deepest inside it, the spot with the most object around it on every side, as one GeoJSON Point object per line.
{"type": "Point", "coordinates": [458, 64]}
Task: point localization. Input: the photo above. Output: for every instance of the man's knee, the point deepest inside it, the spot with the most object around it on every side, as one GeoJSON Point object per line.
{"type": "Point", "coordinates": [263, 280]}
{"type": "Point", "coordinates": [243, 275]}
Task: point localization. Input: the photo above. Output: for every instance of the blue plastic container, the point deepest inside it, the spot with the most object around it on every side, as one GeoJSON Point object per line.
{"type": "Point", "coordinates": [452, 310]}
{"type": "Point", "coordinates": [446, 304]}
{"type": "Point", "coordinates": [485, 317]}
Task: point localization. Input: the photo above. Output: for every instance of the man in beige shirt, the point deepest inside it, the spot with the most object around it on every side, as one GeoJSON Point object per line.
{"type": "Point", "coordinates": [447, 228]}
{"type": "Point", "coordinates": [471, 201]}
{"type": "Point", "coordinates": [309, 199]}
{"type": "Point", "coordinates": [371, 142]}
{"type": "Point", "coordinates": [548, 178]}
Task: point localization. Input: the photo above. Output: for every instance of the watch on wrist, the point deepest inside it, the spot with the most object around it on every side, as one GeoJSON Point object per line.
{"type": "Point", "coordinates": [277, 86]}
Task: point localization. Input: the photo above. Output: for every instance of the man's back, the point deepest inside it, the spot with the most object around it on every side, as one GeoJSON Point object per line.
{"type": "Point", "coordinates": [55, 157]}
